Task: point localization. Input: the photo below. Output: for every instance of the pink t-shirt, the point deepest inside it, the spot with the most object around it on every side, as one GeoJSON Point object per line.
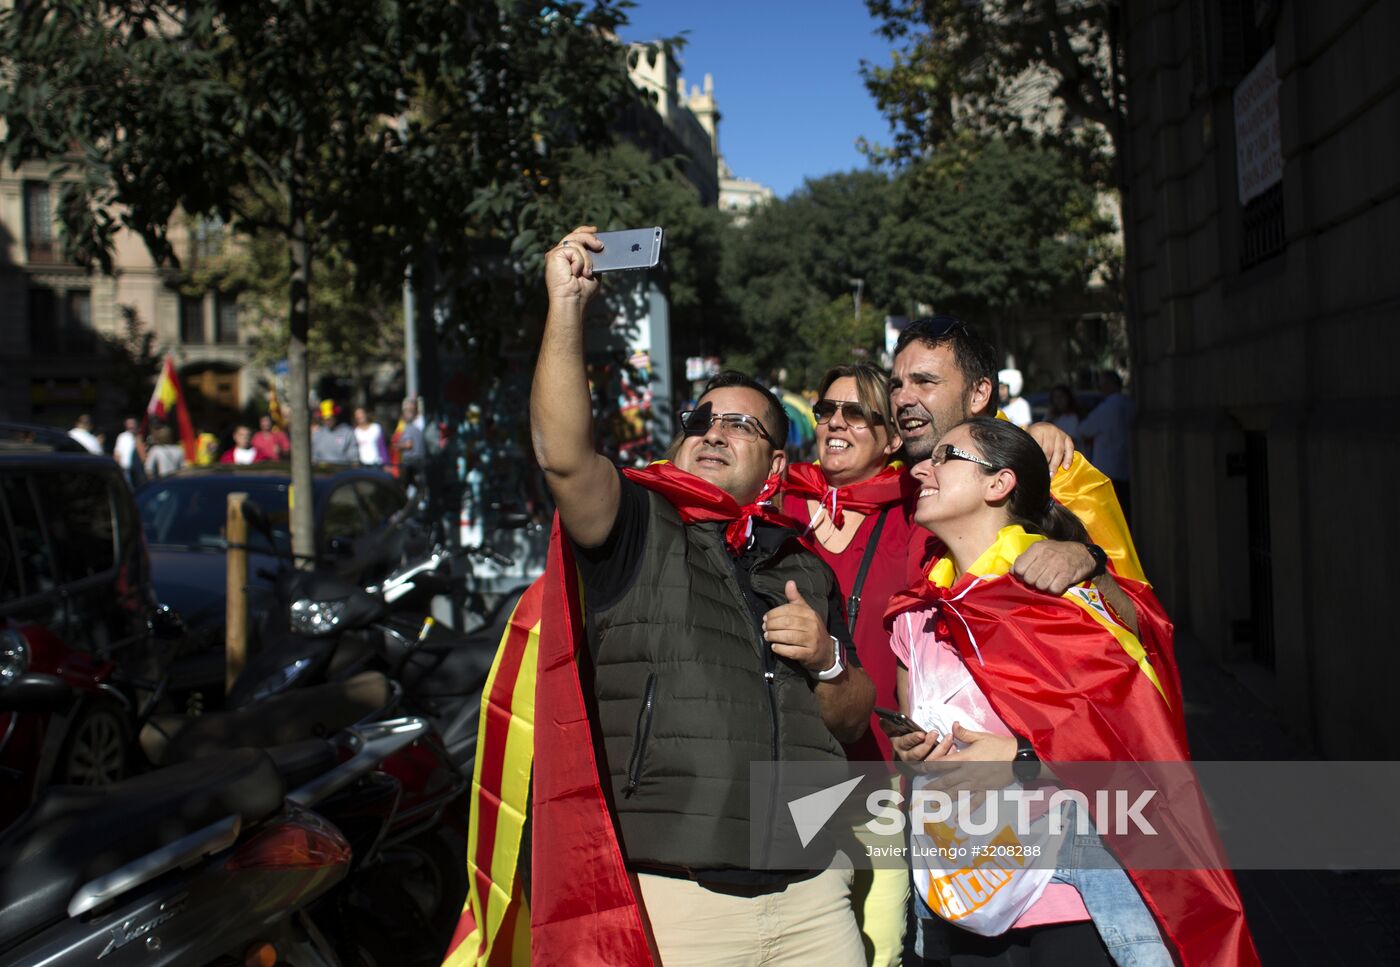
{"type": "Point", "coordinates": [941, 692]}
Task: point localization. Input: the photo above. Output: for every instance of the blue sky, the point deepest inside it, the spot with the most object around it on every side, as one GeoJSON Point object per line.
{"type": "Point", "coordinates": [787, 79]}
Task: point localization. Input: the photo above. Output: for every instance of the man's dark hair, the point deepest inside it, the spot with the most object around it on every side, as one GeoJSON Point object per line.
{"type": "Point", "coordinates": [776, 423]}
{"type": "Point", "coordinates": [974, 355]}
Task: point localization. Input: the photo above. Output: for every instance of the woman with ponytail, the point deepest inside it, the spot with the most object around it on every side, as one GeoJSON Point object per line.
{"type": "Point", "coordinates": [996, 672]}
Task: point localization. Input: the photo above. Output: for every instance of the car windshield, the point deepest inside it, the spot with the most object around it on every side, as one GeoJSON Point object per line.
{"type": "Point", "coordinates": [193, 512]}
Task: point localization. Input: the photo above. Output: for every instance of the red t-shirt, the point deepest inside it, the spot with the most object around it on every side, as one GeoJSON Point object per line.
{"type": "Point", "coordinates": [903, 546]}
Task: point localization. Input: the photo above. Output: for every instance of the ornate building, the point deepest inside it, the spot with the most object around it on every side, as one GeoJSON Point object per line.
{"type": "Point", "coordinates": [64, 329]}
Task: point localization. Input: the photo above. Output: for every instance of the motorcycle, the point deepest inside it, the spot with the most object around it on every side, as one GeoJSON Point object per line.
{"type": "Point", "coordinates": [325, 628]}
{"type": "Point", "coordinates": [401, 897]}
{"type": "Point", "coordinates": [207, 861]}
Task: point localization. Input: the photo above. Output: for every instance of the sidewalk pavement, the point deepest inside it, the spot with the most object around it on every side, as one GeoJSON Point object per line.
{"type": "Point", "coordinates": [1300, 918]}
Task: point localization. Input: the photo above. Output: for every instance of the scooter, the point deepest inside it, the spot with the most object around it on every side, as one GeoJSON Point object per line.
{"type": "Point", "coordinates": [328, 629]}
{"type": "Point", "coordinates": [405, 889]}
{"type": "Point", "coordinates": [209, 861]}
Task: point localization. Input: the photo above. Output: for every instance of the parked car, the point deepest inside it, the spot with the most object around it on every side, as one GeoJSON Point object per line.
{"type": "Point", "coordinates": [360, 513]}
{"type": "Point", "coordinates": [75, 602]}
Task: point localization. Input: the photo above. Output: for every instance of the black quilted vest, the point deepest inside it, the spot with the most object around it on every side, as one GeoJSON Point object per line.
{"type": "Point", "coordinates": [683, 700]}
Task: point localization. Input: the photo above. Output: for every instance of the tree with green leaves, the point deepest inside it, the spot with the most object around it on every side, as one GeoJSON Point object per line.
{"type": "Point", "coordinates": [1045, 73]}
{"type": "Point", "coordinates": [391, 132]}
{"type": "Point", "coordinates": [1001, 233]}
{"type": "Point", "coordinates": [795, 257]}
{"type": "Point", "coordinates": [997, 233]}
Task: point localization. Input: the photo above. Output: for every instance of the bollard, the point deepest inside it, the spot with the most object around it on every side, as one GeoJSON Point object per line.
{"type": "Point", "coordinates": [236, 615]}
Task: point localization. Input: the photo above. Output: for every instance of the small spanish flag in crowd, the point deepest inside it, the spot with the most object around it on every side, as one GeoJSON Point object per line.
{"type": "Point", "coordinates": [168, 398]}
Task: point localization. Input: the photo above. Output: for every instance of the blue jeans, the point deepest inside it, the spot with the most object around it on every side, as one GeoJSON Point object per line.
{"type": "Point", "coordinates": [1121, 917]}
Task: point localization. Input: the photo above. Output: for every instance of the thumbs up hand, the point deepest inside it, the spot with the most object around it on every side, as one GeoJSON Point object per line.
{"type": "Point", "coordinates": [795, 631]}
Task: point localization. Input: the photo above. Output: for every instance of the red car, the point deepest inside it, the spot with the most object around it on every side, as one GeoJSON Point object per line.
{"type": "Point", "coordinates": [75, 604]}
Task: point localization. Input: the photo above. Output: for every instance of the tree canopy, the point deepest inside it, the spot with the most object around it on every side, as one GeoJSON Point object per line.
{"type": "Point", "coordinates": [1046, 72]}
{"type": "Point", "coordinates": [392, 132]}
{"type": "Point", "coordinates": [996, 232]}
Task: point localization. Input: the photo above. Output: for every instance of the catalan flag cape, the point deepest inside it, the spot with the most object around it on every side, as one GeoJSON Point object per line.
{"type": "Point", "coordinates": [167, 399]}
{"type": "Point", "coordinates": [1063, 673]}
{"type": "Point", "coordinates": [583, 907]}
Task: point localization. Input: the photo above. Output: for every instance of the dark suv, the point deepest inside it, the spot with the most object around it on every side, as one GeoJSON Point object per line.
{"type": "Point", "coordinates": [75, 601]}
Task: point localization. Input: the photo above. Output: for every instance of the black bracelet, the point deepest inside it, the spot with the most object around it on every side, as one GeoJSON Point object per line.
{"type": "Point", "coordinates": [1100, 560]}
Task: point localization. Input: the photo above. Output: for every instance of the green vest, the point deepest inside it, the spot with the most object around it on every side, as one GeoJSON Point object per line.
{"type": "Point", "coordinates": [683, 700]}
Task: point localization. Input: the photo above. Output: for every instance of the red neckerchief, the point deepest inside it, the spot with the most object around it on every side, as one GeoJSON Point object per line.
{"type": "Point", "coordinates": [698, 501]}
{"type": "Point", "coordinates": [889, 486]}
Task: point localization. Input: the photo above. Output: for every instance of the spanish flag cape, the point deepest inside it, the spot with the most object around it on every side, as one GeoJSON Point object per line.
{"type": "Point", "coordinates": [1087, 493]}
{"type": "Point", "coordinates": [1063, 673]}
{"type": "Point", "coordinates": [584, 907]}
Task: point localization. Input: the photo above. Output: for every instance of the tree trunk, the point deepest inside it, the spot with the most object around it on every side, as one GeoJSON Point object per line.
{"type": "Point", "coordinates": [303, 517]}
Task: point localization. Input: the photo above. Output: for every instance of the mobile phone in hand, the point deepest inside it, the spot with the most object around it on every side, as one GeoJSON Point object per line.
{"type": "Point", "coordinates": [631, 248]}
{"type": "Point", "coordinates": [897, 723]}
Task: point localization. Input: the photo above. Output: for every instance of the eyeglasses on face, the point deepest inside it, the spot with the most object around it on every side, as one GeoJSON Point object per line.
{"type": "Point", "coordinates": [741, 426]}
{"type": "Point", "coordinates": [947, 451]}
{"type": "Point", "coordinates": [853, 412]}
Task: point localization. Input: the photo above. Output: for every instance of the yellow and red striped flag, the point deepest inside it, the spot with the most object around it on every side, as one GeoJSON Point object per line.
{"type": "Point", "coordinates": [168, 398]}
{"type": "Point", "coordinates": [583, 908]}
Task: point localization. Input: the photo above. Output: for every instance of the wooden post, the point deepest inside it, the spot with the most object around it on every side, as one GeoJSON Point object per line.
{"type": "Point", "coordinates": [236, 592]}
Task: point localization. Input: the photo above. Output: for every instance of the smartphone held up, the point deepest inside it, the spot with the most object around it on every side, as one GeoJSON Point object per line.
{"type": "Point", "coordinates": [629, 249]}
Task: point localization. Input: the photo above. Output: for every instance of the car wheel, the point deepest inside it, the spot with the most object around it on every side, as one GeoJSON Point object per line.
{"type": "Point", "coordinates": [97, 749]}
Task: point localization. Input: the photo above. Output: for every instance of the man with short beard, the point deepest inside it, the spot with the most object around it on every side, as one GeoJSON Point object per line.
{"type": "Point", "coordinates": [715, 639]}
{"type": "Point", "coordinates": [944, 373]}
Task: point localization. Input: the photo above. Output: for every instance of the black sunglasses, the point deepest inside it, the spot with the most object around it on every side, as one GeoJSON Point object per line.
{"type": "Point", "coordinates": [853, 412]}
{"type": "Point", "coordinates": [740, 425]}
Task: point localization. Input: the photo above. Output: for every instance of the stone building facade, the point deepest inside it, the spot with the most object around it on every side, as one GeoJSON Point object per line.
{"type": "Point", "coordinates": [58, 319]}
{"type": "Point", "coordinates": [1264, 218]}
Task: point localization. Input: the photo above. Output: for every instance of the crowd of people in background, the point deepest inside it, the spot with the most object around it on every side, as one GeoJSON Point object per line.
{"type": "Point", "coordinates": [149, 449]}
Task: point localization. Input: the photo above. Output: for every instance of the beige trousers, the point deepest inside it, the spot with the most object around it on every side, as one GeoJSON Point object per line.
{"type": "Point", "coordinates": [809, 922]}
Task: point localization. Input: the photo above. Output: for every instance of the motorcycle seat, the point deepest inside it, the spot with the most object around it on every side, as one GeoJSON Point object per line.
{"type": "Point", "coordinates": [300, 762]}
{"type": "Point", "coordinates": [73, 834]}
{"type": "Point", "coordinates": [316, 712]}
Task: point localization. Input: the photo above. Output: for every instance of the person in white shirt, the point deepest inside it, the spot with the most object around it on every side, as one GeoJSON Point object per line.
{"type": "Point", "coordinates": [1108, 429]}
{"type": "Point", "coordinates": [130, 452]}
{"type": "Point", "coordinates": [369, 438]}
{"type": "Point", "coordinates": [82, 432]}
{"type": "Point", "coordinates": [1017, 410]}
{"type": "Point", "coordinates": [165, 455]}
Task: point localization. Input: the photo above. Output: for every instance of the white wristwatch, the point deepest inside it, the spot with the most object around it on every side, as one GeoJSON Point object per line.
{"type": "Point", "coordinates": [837, 665]}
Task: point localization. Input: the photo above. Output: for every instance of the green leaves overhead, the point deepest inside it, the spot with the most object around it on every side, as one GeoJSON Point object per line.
{"type": "Point", "coordinates": [995, 232]}
{"type": "Point", "coordinates": [1046, 72]}
{"type": "Point", "coordinates": [418, 121]}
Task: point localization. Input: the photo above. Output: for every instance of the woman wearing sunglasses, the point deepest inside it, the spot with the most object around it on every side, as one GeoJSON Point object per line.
{"type": "Point", "coordinates": [858, 507]}
{"type": "Point", "coordinates": [1001, 677]}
